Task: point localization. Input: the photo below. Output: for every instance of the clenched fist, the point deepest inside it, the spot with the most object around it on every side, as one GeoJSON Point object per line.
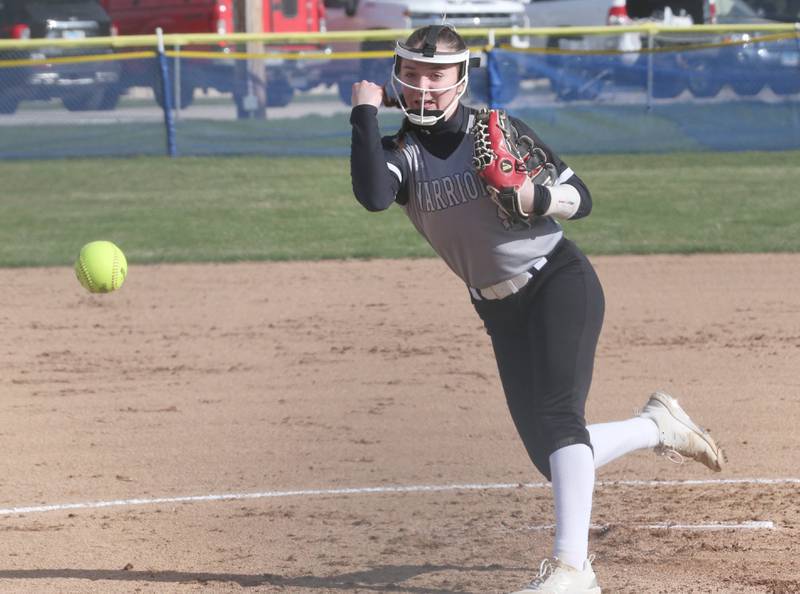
{"type": "Point", "coordinates": [367, 93]}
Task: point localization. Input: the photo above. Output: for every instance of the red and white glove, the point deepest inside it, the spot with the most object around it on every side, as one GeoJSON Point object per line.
{"type": "Point", "coordinates": [499, 162]}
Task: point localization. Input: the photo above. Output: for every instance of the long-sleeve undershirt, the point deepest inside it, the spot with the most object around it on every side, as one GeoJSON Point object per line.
{"type": "Point", "coordinates": [376, 187]}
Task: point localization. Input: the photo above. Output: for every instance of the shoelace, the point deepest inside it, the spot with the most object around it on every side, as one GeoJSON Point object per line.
{"type": "Point", "coordinates": [546, 569]}
{"type": "Point", "coordinates": [672, 455]}
{"type": "Point", "coordinates": [669, 453]}
{"type": "Point", "coordinates": [678, 458]}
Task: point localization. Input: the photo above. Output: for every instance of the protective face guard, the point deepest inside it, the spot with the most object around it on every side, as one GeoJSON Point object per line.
{"type": "Point", "coordinates": [428, 55]}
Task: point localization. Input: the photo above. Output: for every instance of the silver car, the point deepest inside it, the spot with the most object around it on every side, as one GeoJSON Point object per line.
{"type": "Point", "coordinates": [745, 67]}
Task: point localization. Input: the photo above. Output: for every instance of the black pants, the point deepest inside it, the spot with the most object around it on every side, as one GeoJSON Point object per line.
{"type": "Point", "coordinates": [544, 340]}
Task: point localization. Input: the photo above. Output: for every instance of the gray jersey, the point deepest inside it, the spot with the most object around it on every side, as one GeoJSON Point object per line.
{"type": "Point", "coordinates": [450, 206]}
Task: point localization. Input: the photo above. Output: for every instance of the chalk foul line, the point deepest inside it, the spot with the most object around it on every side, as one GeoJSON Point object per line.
{"type": "Point", "coordinates": [748, 525]}
{"type": "Point", "coordinates": [38, 509]}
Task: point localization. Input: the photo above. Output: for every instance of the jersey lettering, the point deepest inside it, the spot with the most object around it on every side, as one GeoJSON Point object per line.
{"type": "Point", "coordinates": [447, 192]}
{"type": "Point", "coordinates": [436, 186]}
{"type": "Point", "coordinates": [450, 206]}
{"type": "Point", "coordinates": [472, 185]}
{"type": "Point", "coordinates": [423, 193]}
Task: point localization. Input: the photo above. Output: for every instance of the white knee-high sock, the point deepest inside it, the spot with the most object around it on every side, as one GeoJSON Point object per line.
{"type": "Point", "coordinates": [572, 475]}
{"type": "Point", "coordinates": [612, 440]}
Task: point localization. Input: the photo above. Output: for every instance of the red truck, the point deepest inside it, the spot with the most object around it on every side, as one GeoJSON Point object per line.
{"type": "Point", "coordinates": [284, 77]}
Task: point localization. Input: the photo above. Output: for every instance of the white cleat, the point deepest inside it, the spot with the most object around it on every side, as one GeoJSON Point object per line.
{"type": "Point", "coordinates": [556, 577]}
{"type": "Point", "coordinates": [679, 437]}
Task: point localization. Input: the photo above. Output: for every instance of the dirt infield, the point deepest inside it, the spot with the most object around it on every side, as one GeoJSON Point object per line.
{"type": "Point", "coordinates": [279, 385]}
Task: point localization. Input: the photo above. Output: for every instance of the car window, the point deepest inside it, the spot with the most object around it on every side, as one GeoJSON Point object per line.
{"type": "Point", "coordinates": [20, 3]}
{"type": "Point", "coordinates": [644, 9]}
{"type": "Point", "coordinates": [7, 12]}
{"type": "Point", "coordinates": [735, 8]}
{"type": "Point", "coordinates": [10, 4]}
{"type": "Point", "coordinates": [289, 8]}
{"type": "Point", "coordinates": [779, 10]}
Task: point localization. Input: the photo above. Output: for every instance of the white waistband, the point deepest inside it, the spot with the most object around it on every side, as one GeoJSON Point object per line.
{"type": "Point", "coordinates": [508, 287]}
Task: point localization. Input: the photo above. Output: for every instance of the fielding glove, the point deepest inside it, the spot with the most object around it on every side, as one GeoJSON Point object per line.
{"type": "Point", "coordinates": [500, 162]}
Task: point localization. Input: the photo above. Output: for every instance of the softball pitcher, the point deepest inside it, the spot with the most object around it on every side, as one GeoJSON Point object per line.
{"type": "Point", "coordinates": [487, 194]}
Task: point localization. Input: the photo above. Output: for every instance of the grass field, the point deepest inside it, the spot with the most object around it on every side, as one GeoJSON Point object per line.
{"type": "Point", "coordinates": [251, 208]}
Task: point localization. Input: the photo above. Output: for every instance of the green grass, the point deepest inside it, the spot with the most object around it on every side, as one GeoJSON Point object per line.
{"type": "Point", "coordinates": [691, 202]}
{"type": "Point", "coordinates": [252, 208]}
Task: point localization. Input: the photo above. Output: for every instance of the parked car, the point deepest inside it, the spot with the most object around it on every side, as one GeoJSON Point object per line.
{"type": "Point", "coordinates": [80, 86]}
{"type": "Point", "coordinates": [778, 10]}
{"type": "Point", "coordinates": [355, 15]}
{"type": "Point", "coordinates": [746, 67]}
{"type": "Point", "coordinates": [754, 65]}
{"type": "Point", "coordinates": [284, 77]}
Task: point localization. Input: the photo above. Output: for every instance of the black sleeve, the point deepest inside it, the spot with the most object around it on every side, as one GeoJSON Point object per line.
{"type": "Point", "coordinates": [375, 186]}
{"type": "Point", "coordinates": [541, 201]}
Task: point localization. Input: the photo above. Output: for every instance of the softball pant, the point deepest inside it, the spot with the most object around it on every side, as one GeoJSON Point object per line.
{"type": "Point", "coordinates": [544, 339]}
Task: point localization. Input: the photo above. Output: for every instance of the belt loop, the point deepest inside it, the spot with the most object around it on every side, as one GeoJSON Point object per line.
{"type": "Point", "coordinates": [508, 287]}
{"type": "Point", "coordinates": [539, 264]}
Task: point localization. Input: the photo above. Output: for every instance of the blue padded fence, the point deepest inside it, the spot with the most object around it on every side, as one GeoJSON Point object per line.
{"type": "Point", "coordinates": [726, 97]}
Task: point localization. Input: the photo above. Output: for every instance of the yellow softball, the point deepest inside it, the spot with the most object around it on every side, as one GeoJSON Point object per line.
{"type": "Point", "coordinates": [101, 267]}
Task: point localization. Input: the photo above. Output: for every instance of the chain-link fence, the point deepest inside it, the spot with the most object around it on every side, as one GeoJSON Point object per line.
{"type": "Point", "coordinates": [631, 91]}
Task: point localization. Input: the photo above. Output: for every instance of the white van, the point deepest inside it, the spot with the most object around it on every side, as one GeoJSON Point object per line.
{"type": "Point", "coordinates": [355, 15]}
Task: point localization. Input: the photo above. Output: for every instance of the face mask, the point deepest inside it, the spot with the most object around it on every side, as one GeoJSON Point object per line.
{"type": "Point", "coordinates": [428, 55]}
{"type": "Point", "coordinates": [430, 117]}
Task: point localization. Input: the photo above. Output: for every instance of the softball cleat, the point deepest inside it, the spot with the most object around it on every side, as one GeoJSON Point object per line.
{"type": "Point", "coordinates": [556, 577]}
{"type": "Point", "coordinates": [679, 437]}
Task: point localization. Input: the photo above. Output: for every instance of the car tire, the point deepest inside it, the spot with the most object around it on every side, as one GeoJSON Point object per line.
{"type": "Point", "coordinates": [109, 99]}
{"type": "Point", "coordinates": [279, 90]}
{"type": "Point", "coordinates": [701, 79]}
{"type": "Point", "coordinates": [668, 87]}
{"type": "Point", "coordinates": [187, 94]}
{"type": "Point", "coordinates": [669, 83]}
{"type": "Point", "coordinates": [94, 101]}
{"type": "Point", "coordinates": [745, 85]}
{"type": "Point", "coordinates": [703, 88]}
{"type": "Point", "coordinates": [785, 84]}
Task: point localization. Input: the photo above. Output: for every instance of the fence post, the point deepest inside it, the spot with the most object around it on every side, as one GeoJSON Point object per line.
{"type": "Point", "coordinates": [650, 46]}
{"type": "Point", "coordinates": [256, 68]}
{"type": "Point", "coordinates": [166, 90]}
{"type": "Point", "coordinates": [177, 94]}
{"type": "Point", "coordinates": [494, 78]}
